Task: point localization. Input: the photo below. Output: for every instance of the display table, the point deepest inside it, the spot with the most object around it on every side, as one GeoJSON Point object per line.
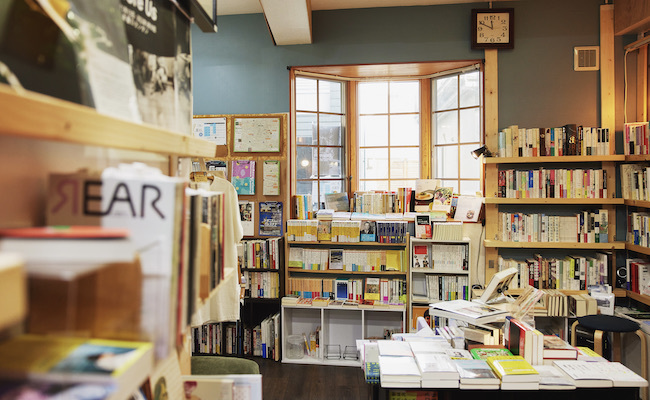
{"type": "Point", "coordinates": [618, 393]}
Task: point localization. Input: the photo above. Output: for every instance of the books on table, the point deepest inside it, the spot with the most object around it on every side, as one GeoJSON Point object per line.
{"type": "Point", "coordinates": [476, 374]}
{"type": "Point", "coordinates": [482, 353]}
{"type": "Point", "coordinates": [600, 374]}
{"type": "Point", "coordinates": [123, 364]}
{"type": "Point", "coordinates": [399, 371]}
{"type": "Point", "coordinates": [394, 348]}
{"type": "Point", "coordinates": [515, 372]}
{"type": "Point", "coordinates": [551, 378]}
{"type": "Point", "coordinates": [467, 311]}
{"type": "Point", "coordinates": [437, 370]}
{"type": "Point", "coordinates": [583, 373]}
{"type": "Point", "coordinates": [557, 348]}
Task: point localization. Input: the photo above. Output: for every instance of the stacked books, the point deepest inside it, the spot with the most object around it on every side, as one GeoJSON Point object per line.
{"type": "Point", "coordinates": [515, 372]}
{"type": "Point", "coordinates": [477, 375]}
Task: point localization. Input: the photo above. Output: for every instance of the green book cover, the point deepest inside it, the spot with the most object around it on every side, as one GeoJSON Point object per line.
{"type": "Point", "coordinates": [482, 353]}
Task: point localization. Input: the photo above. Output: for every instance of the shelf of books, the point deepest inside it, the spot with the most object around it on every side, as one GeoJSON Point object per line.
{"type": "Point", "coordinates": [439, 271]}
{"type": "Point", "coordinates": [570, 166]}
{"type": "Point", "coordinates": [633, 278]}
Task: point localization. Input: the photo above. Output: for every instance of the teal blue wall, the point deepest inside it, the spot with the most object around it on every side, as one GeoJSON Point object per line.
{"type": "Point", "coordinates": [239, 70]}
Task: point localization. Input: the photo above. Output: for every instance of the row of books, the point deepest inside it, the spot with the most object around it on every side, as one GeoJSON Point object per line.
{"type": "Point", "coordinates": [390, 291]}
{"type": "Point", "coordinates": [259, 253]}
{"type": "Point", "coordinates": [304, 208]}
{"type": "Point", "coordinates": [567, 140]}
{"type": "Point", "coordinates": [637, 276]}
{"type": "Point", "coordinates": [347, 259]}
{"type": "Point", "coordinates": [441, 287]}
{"type": "Point", "coordinates": [635, 138]}
{"type": "Point", "coordinates": [381, 202]}
{"type": "Point", "coordinates": [432, 363]}
{"type": "Point", "coordinates": [216, 338]}
{"type": "Point", "coordinates": [638, 228]}
{"type": "Point", "coordinates": [583, 227]}
{"type": "Point", "coordinates": [552, 183]}
{"type": "Point", "coordinates": [634, 181]}
{"type": "Point", "coordinates": [443, 258]}
{"type": "Point", "coordinates": [264, 285]}
{"type": "Point", "coordinates": [573, 272]}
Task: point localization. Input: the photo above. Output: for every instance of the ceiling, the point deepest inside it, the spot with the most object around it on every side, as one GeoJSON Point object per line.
{"type": "Point", "coordinates": [289, 21]}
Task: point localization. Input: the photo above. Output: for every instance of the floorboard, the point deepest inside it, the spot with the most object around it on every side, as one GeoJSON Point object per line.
{"type": "Point", "coordinates": [311, 382]}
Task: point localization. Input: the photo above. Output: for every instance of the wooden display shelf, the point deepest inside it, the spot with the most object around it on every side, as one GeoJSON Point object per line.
{"type": "Point", "coordinates": [618, 292]}
{"type": "Point", "coordinates": [552, 159]}
{"type": "Point", "coordinates": [343, 272]}
{"type": "Point", "coordinates": [336, 244]}
{"type": "Point", "coordinates": [638, 297]}
{"type": "Point", "coordinates": [38, 116]}
{"type": "Point", "coordinates": [637, 203]}
{"type": "Point", "coordinates": [637, 157]}
{"type": "Point", "coordinates": [566, 201]}
{"type": "Point", "coordinates": [476, 293]}
{"type": "Point", "coordinates": [637, 248]}
{"type": "Point", "coordinates": [554, 245]}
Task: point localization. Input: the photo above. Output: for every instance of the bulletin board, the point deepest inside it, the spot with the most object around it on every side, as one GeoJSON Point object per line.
{"type": "Point", "coordinates": [268, 152]}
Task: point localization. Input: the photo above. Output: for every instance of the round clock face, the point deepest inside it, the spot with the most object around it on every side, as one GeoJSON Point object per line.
{"type": "Point", "coordinates": [492, 27]}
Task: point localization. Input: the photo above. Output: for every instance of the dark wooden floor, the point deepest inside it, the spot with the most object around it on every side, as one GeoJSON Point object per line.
{"type": "Point", "coordinates": [311, 382]}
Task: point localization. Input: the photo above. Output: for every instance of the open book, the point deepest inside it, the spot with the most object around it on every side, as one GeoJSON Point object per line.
{"type": "Point", "coordinates": [467, 311]}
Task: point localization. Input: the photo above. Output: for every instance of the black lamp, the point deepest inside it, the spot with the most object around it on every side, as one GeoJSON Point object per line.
{"type": "Point", "coordinates": [481, 151]}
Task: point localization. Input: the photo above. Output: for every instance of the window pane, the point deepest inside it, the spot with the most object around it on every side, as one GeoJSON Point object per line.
{"type": "Point", "coordinates": [405, 130]}
{"type": "Point", "coordinates": [305, 128]}
{"type": "Point", "coordinates": [445, 93]}
{"type": "Point", "coordinates": [446, 162]}
{"type": "Point", "coordinates": [450, 183]}
{"type": "Point", "coordinates": [373, 130]}
{"type": "Point", "coordinates": [394, 185]}
{"type": "Point", "coordinates": [329, 96]}
{"type": "Point", "coordinates": [373, 97]}
{"type": "Point", "coordinates": [373, 163]}
{"type": "Point", "coordinates": [330, 130]}
{"type": "Point", "coordinates": [327, 187]}
{"type": "Point", "coordinates": [470, 187]}
{"type": "Point", "coordinates": [470, 125]}
{"type": "Point", "coordinates": [470, 89]}
{"type": "Point", "coordinates": [373, 185]}
{"type": "Point", "coordinates": [445, 127]}
{"type": "Point", "coordinates": [470, 167]}
{"type": "Point", "coordinates": [404, 96]}
{"type": "Point", "coordinates": [404, 163]}
{"type": "Point", "coordinates": [306, 94]}
{"type": "Point", "coordinates": [330, 162]}
{"type": "Point", "coordinates": [305, 167]}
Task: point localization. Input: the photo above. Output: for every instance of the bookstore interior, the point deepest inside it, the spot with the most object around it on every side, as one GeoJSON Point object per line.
{"type": "Point", "coordinates": [439, 226]}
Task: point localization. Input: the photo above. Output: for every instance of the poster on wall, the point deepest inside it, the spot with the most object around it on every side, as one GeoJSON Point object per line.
{"type": "Point", "coordinates": [160, 56]}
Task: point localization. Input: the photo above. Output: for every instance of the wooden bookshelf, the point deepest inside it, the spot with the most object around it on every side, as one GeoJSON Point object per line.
{"type": "Point", "coordinates": [343, 272]}
{"type": "Point", "coordinates": [641, 298]}
{"type": "Point", "coordinates": [637, 203]}
{"type": "Point", "coordinates": [344, 244]}
{"type": "Point", "coordinates": [565, 201]}
{"type": "Point", "coordinates": [38, 116]}
{"type": "Point", "coordinates": [553, 159]}
{"type": "Point", "coordinates": [637, 157]}
{"type": "Point", "coordinates": [554, 245]}
{"type": "Point", "coordinates": [638, 249]}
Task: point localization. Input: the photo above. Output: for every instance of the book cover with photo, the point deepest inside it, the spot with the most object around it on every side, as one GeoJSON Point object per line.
{"type": "Point", "coordinates": [243, 176]}
{"type": "Point", "coordinates": [424, 193]}
{"type": "Point", "coordinates": [247, 215]}
{"type": "Point", "coordinates": [368, 232]}
{"type": "Point", "coordinates": [270, 218]}
{"type": "Point", "coordinates": [421, 256]}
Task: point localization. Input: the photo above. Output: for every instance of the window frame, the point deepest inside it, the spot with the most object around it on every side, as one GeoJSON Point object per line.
{"type": "Point", "coordinates": [350, 76]}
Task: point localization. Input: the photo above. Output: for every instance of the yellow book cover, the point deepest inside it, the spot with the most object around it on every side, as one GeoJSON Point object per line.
{"type": "Point", "coordinates": [512, 368]}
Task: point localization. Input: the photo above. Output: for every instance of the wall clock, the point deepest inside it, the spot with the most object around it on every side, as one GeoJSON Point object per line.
{"type": "Point", "coordinates": [493, 28]}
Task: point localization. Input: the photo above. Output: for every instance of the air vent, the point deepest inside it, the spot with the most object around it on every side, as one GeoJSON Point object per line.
{"type": "Point", "coordinates": [586, 58]}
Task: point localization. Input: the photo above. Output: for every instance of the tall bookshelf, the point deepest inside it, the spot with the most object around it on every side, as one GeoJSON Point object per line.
{"type": "Point", "coordinates": [494, 204]}
{"type": "Point", "coordinates": [52, 135]}
{"type": "Point", "coordinates": [257, 306]}
{"type": "Point", "coordinates": [447, 275]}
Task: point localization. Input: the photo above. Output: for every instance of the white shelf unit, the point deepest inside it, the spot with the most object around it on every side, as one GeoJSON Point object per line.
{"type": "Point", "coordinates": [418, 276]}
{"type": "Point", "coordinates": [341, 326]}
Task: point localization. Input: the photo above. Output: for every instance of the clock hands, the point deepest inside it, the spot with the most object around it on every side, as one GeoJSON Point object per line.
{"type": "Point", "coordinates": [491, 26]}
